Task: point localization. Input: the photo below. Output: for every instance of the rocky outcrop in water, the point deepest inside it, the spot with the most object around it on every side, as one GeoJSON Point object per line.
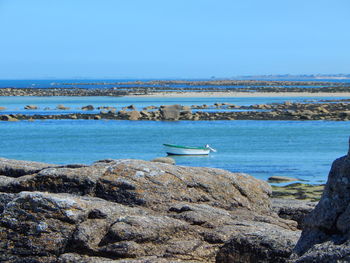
{"type": "Point", "coordinates": [43, 92]}
{"type": "Point", "coordinates": [62, 107]}
{"type": "Point", "coordinates": [326, 234]}
{"type": "Point", "coordinates": [174, 112]}
{"type": "Point", "coordinates": [88, 107]}
{"type": "Point", "coordinates": [8, 117]}
{"type": "Point", "coordinates": [137, 211]}
{"type": "Point", "coordinates": [31, 107]}
{"type": "Point", "coordinates": [219, 111]}
{"type": "Point", "coordinates": [179, 86]}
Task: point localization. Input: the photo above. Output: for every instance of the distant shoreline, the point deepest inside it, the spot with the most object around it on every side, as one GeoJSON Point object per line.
{"type": "Point", "coordinates": [219, 94]}
{"type": "Point", "coordinates": [162, 92]}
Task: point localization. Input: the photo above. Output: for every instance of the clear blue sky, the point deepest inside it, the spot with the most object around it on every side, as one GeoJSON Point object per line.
{"type": "Point", "coordinates": [172, 39]}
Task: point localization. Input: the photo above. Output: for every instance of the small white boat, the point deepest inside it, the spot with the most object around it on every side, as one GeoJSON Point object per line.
{"type": "Point", "coordinates": [172, 149]}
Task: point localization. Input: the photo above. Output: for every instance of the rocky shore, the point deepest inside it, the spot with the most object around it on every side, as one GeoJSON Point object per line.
{"type": "Point", "coordinates": [44, 92]}
{"type": "Point", "coordinates": [224, 82]}
{"type": "Point", "coordinates": [153, 87]}
{"type": "Point", "coordinates": [138, 211]}
{"type": "Point", "coordinates": [335, 111]}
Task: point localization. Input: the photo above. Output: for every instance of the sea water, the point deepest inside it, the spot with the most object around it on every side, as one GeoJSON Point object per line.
{"type": "Point", "coordinates": [301, 149]}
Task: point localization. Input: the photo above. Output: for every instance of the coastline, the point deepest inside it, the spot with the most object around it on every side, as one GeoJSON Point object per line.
{"type": "Point", "coordinates": [239, 94]}
{"type": "Point", "coordinates": [331, 109]}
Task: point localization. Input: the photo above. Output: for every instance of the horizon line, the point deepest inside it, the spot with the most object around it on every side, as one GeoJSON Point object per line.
{"type": "Point", "coordinates": [317, 75]}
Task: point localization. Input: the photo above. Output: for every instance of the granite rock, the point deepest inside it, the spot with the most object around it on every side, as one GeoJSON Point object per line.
{"type": "Point", "coordinates": [17, 168]}
{"type": "Point", "coordinates": [164, 160]}
{"type": "Point", "coordinates": [136, 211]}
{"type": "Point", "coordinates": [292, 209]}
{"type": "Point", "coordinates": [326, 233]}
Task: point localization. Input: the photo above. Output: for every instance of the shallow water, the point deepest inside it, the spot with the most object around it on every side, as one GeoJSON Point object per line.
{"type": "Point", "coordinates": [302, 149]}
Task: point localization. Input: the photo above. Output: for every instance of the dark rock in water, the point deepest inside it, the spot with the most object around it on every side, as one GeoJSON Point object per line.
{"type": "Point", "coordinates": [137, 211]}
{"type": "Point", "coordinates": [88, 107]}
{"type": "Point", "coordinates": [326, 234]}
{"type": "Point", "coordinates": [8, 118]}
{"type": "Point", "coordinates": [31, 107]}
{"type": "Point", "coordinates": [130, 107]}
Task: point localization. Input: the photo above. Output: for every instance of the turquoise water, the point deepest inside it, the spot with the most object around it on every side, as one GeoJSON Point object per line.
{"type": "Point", "coordinates": [302, 149]}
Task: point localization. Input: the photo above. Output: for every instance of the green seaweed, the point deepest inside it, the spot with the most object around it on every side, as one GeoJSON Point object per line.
{"type": "Point", "coordinates": [298, 191]}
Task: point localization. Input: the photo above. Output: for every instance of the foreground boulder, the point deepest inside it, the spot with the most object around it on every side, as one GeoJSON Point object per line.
{"type": "Point", "coordinates": [137, 211]}
{"type": "Point", "coordinates": [326, 234]}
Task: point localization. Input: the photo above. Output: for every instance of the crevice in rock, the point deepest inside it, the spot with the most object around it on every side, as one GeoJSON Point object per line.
{"type": "Point", "coordinates": [17, 172]}
{"type": "Point", "coordinates": [184, 208]}
{"type": "Point", "coordinates": [72, 166]}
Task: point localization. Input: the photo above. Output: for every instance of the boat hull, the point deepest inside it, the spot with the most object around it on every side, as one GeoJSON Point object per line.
{"type": "Point", "coordinates": [182, 151]}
